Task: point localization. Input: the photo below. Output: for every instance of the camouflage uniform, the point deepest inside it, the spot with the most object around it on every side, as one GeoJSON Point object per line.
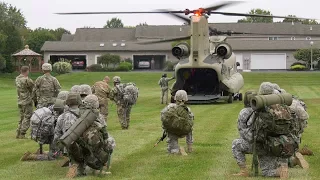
{"type": "Point", "coordinates": [164, 83]}
{"type": "Point", "coordinates": [75, 89]}
{"type": "Point", "coordinates": [123, 110]}
{"type": "Point", "coordinates": [24, 90]}
{"type": "Point", "coordinates": [47, 88]}
{"type": "Point", "coordinates": [63, 95]}
{"type": "Point", "coordinates": [172, 141]}
{"type": "Point", "coordinates": [101, 90]}
{"type": "Point", "coordinates": [84, 90]}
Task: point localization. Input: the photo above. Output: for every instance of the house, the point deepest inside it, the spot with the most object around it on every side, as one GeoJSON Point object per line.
{"type": "Point", "coordinates": [272, 50]}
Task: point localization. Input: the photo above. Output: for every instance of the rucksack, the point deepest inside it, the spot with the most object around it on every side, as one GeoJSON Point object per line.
{"type": "Point", "coordinates": [276, 130]}
{"type": "Point", "coordinates": [177, 119]}
{"type": "Point", "coordinates": [129, 92]}
{"type": "Point", "coordinates": [42, 125]}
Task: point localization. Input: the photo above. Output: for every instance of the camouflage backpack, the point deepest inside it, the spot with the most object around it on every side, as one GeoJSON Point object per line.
{"type": "Point", "coordinates": [276, 127]}
{"type": "Point", "coordinates": [129, 92]}
{"type": "Point", "coordinates": [42, 125]}
{"type": "Point", "coordinates": [177, 119]}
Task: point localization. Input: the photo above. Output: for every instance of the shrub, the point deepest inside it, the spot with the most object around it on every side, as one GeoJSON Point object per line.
{"type": "Point", "coordinates": [298, 67]}
{"type": "Point", "coordinates": [124, 66]}
{"type": "Point", "coordinates": [129, 60]}
{"type": "Point", "coordinates": [62, 67]}
{"type": "Point", "coordinates": [169, 65]}
{"type": "Point", "coordinates": [95, 68]}
{"type": "Point", "coordinates": [2, 63]}
{"type": "Point", "coordinates": [297, 63]}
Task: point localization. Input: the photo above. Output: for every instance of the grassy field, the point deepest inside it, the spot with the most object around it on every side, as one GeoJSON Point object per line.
{"type": "Point", "coordinates": [135, 157]}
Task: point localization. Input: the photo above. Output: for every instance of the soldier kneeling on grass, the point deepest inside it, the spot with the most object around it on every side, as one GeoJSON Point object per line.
{"type": "Point", "coordinates": [43, 122]}
{"type": "Point", "coordinates": [177, 122]}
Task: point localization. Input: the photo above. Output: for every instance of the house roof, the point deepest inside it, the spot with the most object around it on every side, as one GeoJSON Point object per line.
{"type": "Point", "coordinates": [26, 52]}
{"type": "Point", "coordinates": [103, 34]}
{"type": "Point", "coordinates": [67, 37]}
{"type": "Point", "coordinates": [236, 45]}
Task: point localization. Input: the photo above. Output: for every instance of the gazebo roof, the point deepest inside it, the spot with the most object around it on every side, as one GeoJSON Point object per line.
{"type": "Point", "coordinates": [26, 52]}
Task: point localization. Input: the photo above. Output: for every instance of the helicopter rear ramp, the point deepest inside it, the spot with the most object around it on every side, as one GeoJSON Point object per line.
{"type": "Point", "coordinates": [203, 99]}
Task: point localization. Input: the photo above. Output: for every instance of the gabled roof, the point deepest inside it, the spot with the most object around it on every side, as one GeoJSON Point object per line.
{"type": "Point", "coordinates": [67, 37]}
{"type": "Point", "coordinates": [26, 52]}
{"type": "Point", "coordinates": [103, 34]}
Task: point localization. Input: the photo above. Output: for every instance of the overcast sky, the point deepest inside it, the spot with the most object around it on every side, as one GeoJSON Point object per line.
{"type": "Point", "coordinates": [40, 13]}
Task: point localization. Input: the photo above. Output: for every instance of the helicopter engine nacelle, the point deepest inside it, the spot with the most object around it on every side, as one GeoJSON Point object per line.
{"type": "Point", "coordinates": [181, 50]}
{"type": "Point", "coordinates": [224, 50]}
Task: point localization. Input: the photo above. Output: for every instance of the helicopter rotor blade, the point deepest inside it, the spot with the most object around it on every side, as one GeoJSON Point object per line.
{"type": "Point", "coordinates": [122, 12]}
{"type": "Point", "coordinates": [180, 17]}
{"type": "Point", "coordinates": [166, 40]}
{"type": "Point", "coordinates": [255, 15]}
{"type": "Point", "coordinates": [221, 5]}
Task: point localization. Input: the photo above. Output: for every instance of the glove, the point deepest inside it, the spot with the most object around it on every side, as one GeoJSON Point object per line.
{"type": "Point", "coordinates": [104, 133]}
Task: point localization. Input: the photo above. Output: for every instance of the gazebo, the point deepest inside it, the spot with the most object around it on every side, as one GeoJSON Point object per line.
{"type": "Point", "coordinates": [27, 57]}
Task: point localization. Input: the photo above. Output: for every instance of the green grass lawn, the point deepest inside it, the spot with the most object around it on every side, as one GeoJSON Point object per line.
{"type": "Point", "coordinates": [135, 157]}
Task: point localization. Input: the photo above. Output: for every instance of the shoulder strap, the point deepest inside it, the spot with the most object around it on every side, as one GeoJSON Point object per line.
{"type": "Point", "coordinates": [73, 113]}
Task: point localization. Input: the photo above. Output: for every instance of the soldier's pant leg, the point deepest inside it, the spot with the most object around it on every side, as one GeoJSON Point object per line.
{"type": "Point", "coordinates": [121, 116]}
{"type": "Point", "coordinates": [269, 165]}
{"type": "Point", "coordinates": [21, 111]}
{"type": "Point", "coordinates": [165, 96]}
{"type": "Point", "coordinates": [104, 108]}
{"type": "Point", "coordinates": [173, 146]}
{"type": "Point", "coordinates": [240, 147]}
{"type": "Point", "coordinates": [128, 112]}
{"type": "Point", "coordinates": [25, 124]}
{"type": "Point", "coordinates": [189, 138]}
{"type": "Point", "coordinates": [162, 96]}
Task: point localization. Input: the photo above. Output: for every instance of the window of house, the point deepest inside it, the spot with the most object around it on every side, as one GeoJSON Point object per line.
{"type": "Point", "coordinates": [308, 38]}
{"type": "Point", "coordinates": [273, 38]}
{"type": "Point", "coordinates": [293, 38]}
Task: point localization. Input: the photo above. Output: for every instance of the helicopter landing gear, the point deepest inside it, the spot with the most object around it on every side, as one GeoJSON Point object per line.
{"type": "Point", "coordinates": [237, 96]}
{"type": "Point", "coordinates": [230, 99]}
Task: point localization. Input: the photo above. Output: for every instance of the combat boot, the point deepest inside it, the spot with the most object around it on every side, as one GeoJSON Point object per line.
{"type": "Point", "coordinates": [182, 152]}
{"type": "Point", "coordinates": [65, 162]}
{"type": "Point", "coordinates": [306, 151]}
{"type": "Point", "coordinates": [243, 171]}
{"type": "Point", "coordinates": [299, 160]}
{"type": "Point", "coordinates": [28, 156]}
{"type": "Point", "coordinates": [101, 172]}
{"type": "Point", "coordinates": [282, 171]}
{"type": "Point", "coordinates": [22, 136]}
{"type": "Point", "coordinates": [189, 148]}
{"type": "Point", "coordinates": [72, 172]}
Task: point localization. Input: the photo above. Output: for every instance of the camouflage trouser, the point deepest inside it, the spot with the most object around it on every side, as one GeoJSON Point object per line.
{"type": "Point", "coordinates": [269, 165]}
{"type": "Point", "coordinates": [164, 96]}
{"type": "Point", "coordinates": [103, 106]}
{"type": "Point", "coordinates": [240, 148]}
{"type": "Point", "coordinates": [124, 115]}
{"type": "Point", "coordinates": [25, 115]}
{"type": "Point", "coordinates": [173, 145]}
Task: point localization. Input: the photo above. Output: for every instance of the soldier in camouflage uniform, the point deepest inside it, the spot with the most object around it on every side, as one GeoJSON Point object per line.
{"type": "Point", "coordinates": [84, 90]}
{"type": "Point", "coordinates": [75, 89]}
{"type": "Point", "coordinates": [181, 97]}
{"type": "Point", "coordinates": [47, 87]}
{"type": "Point", "coordinates": [242, 146]}
{"type": "Point", "coordinates": [95, 145]}
{"type": "Point", "coordinates": [164, 84]}
{"type": "Point", "coordinates": [101, 89]}
{"type": "Point", "coordinates": [25, 87]}
{"type": "Point", "coordinates": [123, 110]}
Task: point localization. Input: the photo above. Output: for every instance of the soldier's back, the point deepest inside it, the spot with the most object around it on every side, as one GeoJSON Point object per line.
{"type": "Point", "coordinates": [24, 89]}
{"type": "Point", "coordinates": [101, 89]}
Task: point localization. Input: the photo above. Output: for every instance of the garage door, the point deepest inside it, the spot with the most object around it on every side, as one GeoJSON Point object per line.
{"type": "Point", "coordinates": [239, 59]}
{"type": "Point", "coordinates": [268, 61]}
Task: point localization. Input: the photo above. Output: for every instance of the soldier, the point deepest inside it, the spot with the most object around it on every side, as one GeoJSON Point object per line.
{"type": "Point", "coordinates": [63, 95]}
{"type": "Point", "coordinates": [242, 146]}
{"type": "Point", "coordinates": [164, 84]}
{"type": "Point", "coordinates": [41, 132]}
{"type": "Point", "coordinates": [101, 89]}
{"type": "Point", "coordinates": [47, 87]}
{"type": "Point", "coordinates": [75, 89]}
{"type": "Point", "coordinates": [94, 145]}
{"type": "Point", "coordinates": [123, 110]}
{"type": "Point", "coordinates": [173, 146]}
{"type": "Point", "coordinates": [84, 90]}
{"type": "Point", "coordinates": [25, 87]}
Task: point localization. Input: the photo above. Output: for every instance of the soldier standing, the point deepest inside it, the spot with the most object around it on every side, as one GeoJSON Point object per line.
{"type": "Point", "coordinates": [25, 87]}
{"type": "Point", "coordinates": [47, 87]}
{"type": "Point", "coordinates": [101, 89]}
{"type": "Point", "coordinates": [164, 84]}
{"type": "Point", "coordinates": [123, 110]}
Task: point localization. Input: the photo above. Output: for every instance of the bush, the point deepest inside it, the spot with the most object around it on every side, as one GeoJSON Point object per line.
{"type": "Point", "coordinates": [124, 66]}
{"type": "Point", "coordinates": [169, 65]}
{"type": "Point", "coordinates": [129, 60]}
{"type": "Point", "coordinates": [95, 68]}
{"type": "Point", "coordinates": [2, 63]}
{"type": "Point", "coordinates": [298, 67]}
{"type": "Point", "coordinates": [297, 63]}
{"type": "Point", "coordinates": [62, 67]}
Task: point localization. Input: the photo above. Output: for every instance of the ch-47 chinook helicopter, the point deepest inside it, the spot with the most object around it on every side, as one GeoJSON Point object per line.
{"type": "Point", "coordinates": [207, 68]}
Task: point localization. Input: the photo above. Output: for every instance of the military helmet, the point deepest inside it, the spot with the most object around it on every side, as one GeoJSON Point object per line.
{"type": "Point", "coordinates": [46, 67]}
{"type": "Point", "coordinates": [276, 86]}
{"type": "Point", "coordinates": [248, 96]}
{"type": "Point", "coordinates": [73, 99]}
{"type": "Point", "coordinates": [181, 95]}
{"type": "Point", "coordinates": [266, 88]}
{"type": "Point", "coordinates": [91, 101]}
{"type": "Point", "coordinates": [116, 79]}
{"type": "Point", "coordinates": [59, 105]}
{"type": "Point", "coordinates": [75, 89]}
{"type": "Point", "coordinates": [283, 91]}
{"type": "Point", "coordinates": [85, 89]}
{"type": "Point", "coordinates": [164, 75]}
{"type": "Point", "coordinates": [63, 95]}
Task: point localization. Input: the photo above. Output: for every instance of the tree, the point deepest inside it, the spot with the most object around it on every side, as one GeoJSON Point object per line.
{"type": "Point", "coordinates": [143, 24]}
{"type": "Point", "coordinates": [2, 63]}
{"type": "Point", "coordinates": [105, 60]}
{"type": "Point", "coordinates": [12, 14]}
{"type": "Point", "coordinates": [305, 55]}
{"type": "Point", "coordinates": [114, 23]}
{"type": "Point", "coordinates": [176, 42]}
{"type": "Point", "coordinates": [59, 32]}
{"type": "Point", "coordinates": [38, 37]}
{"type": "Point", "coordinates": [306, 21]}
{"type": "Point", "coordinates": [249, 19]}
{"type": "Point", "coordinates": [291, 20]}
{"type": "Point", "coordinates": [310, 22]}
{"type": "Point", "coordinates": [115, 60]}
